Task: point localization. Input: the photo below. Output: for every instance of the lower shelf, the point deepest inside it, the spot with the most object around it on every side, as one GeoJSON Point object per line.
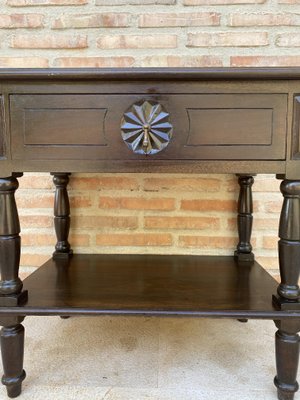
{"type": "Point", "coordinates": [204, 286]}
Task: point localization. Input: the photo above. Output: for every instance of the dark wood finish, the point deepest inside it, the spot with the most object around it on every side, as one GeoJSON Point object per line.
{"type": "Point", "coordinates": [206, 126]}
{"type": "Point", "coordinates": [10, 284]}
{"type": "Point", "coordinates": [12, 350]}
{"type": "Point", "coordinates": [150, 74]}
{"type": "Point", "coordinates": [62, 218]}
{"type": "Point", "coordinates": [226, 126]}
{"type": "Point", "coordinates": [287, 358]}
{"type": "Point", "coordinates": [216, 286]}
{"type": "Point", "coordinates": [244, 219]}
{"type": "Point", "coordinates": [2, 127]}
{"type": "Point", "coordinates": [224, 120]}
{"type": "Point", "coordinates": [71, 121]}
{"type": "Point", "coordinates": [289, 243]}
{"type": "Point", "coordinates": [296, 129]}
{"type": "Point", "coordinates": [12, 333]}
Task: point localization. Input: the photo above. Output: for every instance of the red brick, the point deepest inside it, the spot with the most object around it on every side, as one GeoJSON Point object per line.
{"type": "Point", "coordinates": [136, 239]}
{"type": "Point", "coordinates": [266, 223]}
{"type": "Point", "coordinates": [24, 271]}
{"type": "Point", "coordinates": [94, 62]}
{"type": "Point", "coordinates": [264, 19]}
{"type": "Point", "coordinates": [104, 183]}
{"type": "Point", "coordinates": [181, 222]}
{"type": "Point", "coordinates": [49, 41]}
{"type": "Point", "coordinates": [208, 205]}
{"type": "Point", "coordinates": [96, 20]}
{"type": "Point", "coordinates": [208, 242]}
{"type": "Point", "coordinates": [36, 200]}
{"type": "Point", "coordinates": [266, 185]}
{"type": "Point", "coordinates": [270, 242]}
{"type": "Point", "coordinates": [268, 262]}
{"type": "Point", "coordinates": [36, 221]}
{"type": "Point", "coordinates": [23, 62]}
{"type": "Point", "coordinates": [35, 182]}
{"type": "Point", "coordinates": [178, 19]}
{"type": "Point", "coordinates": [100, 222]}
{"type": "Point", "coordinates": [133, 2]}
{"type": "Point", "coordinates": [137, 203]}
{"type": "Point", "coordinates": [38, 239]}
{"type": "Point", "coordinates": [225, 39]}
{"type": "Point", "coordinates": [232, 224]}
{"type": "Point", "coordinates": [19, 3]}
{"type": "Point", "coordinates": [137, 41]}
{"type": "Point", "coordinates": [220, 2]}
{"type": "Point", "coordinates": [273, 206]}
{"type": "Point", "coordinates": [265, 61]}
{"type": "Point", "coordinates": [10, 21]}
{"type": "Point", "coordinates": [288, 40]}
{"type": "Point", "coordinates": [258, 223]}
{"type": "Point", "coordinates": [181, 61]}
{"type": "Point", "coordinates": [77, 239]}
{"type": "Point", "coordinates": [80, 201]}
{"type": "Point", "coordinates": [34, 260]}
{"type": "Point", "coordinates": [189, 184]}
{"type": "Point", "coordinates": [288, 1]}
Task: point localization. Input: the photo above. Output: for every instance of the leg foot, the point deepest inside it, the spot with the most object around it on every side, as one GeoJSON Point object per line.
{"type": "Point", "coordinates": [14, 390]}
{"type": "Point", "coordinates": [282, 395]}
{"type": "Point", "coordinates": [12, 349]}
{"type": "Point", "coordinates": [287, 358]}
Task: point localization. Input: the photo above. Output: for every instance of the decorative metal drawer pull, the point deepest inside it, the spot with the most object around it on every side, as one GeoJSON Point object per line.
{"type": "Point", "coordinates": [145, 127]}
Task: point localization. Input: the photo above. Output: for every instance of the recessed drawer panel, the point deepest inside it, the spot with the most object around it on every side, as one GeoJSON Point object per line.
{"type": "Point", "coordinates": [1, 127]}
{"type": "Point", "coordinates": [205, 126]}
{"type": "Point", "coordinates": [64, 127]}
{"type": "Point", "coordinates": [232, 127]}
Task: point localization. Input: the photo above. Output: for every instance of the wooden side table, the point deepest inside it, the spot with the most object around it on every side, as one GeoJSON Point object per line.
{"type": "Point", "coordinates": [243, 121]}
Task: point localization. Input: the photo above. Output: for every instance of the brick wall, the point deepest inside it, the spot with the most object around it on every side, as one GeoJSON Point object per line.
{"type": "Point", "coordinates": [127, 33]}
{"type": "Point", "coordinates": [140, 213]}
{"type": "Point", "coordinates": [123, 213]}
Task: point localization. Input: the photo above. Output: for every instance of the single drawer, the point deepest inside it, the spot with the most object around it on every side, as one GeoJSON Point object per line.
{"type": "Point", "coordinates": [205, 126]}
{"type": "Point", "coordinates": [2, 127]}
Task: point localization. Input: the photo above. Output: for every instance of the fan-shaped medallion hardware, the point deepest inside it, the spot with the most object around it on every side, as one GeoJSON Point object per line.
{"type": "Point", "coordinates": [145, 127]}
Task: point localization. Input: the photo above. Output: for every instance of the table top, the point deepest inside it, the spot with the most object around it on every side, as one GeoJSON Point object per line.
{"type": "Point", "coordinates": [231, 73]}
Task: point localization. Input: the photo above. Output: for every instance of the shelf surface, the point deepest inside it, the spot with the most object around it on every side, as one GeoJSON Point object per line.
{"type": "Point", "coordinates": [216, 286]}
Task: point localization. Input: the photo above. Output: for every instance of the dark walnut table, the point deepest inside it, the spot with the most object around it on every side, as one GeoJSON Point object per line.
{"type": "Point", "coordinates": [242, 121]}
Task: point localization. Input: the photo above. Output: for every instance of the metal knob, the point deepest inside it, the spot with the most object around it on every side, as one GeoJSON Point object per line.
{"type": "Point", "coordinates": [145, 127]}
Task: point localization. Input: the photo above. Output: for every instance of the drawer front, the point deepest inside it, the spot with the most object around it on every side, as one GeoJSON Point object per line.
{"type": "Point", "coordinates": [2, 127]}
{"type": "Point", "coordinates": [205, 126]}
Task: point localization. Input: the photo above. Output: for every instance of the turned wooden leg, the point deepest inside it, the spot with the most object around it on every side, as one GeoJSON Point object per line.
{"type": "Point", "coordinates": [12, 350]}
{"type": "Point", "coordinates": [289, 243]}
{"type": "Point", "coordinates": [287, 298]}
{"type": "Point", "coordinates": [62, 215]}
{"type": "Point", "coordinates": [287, 358]}
{"type": "Point", "coordinates": [244, 219]}
{"type": "Point", "coordinates": [11, 294]}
